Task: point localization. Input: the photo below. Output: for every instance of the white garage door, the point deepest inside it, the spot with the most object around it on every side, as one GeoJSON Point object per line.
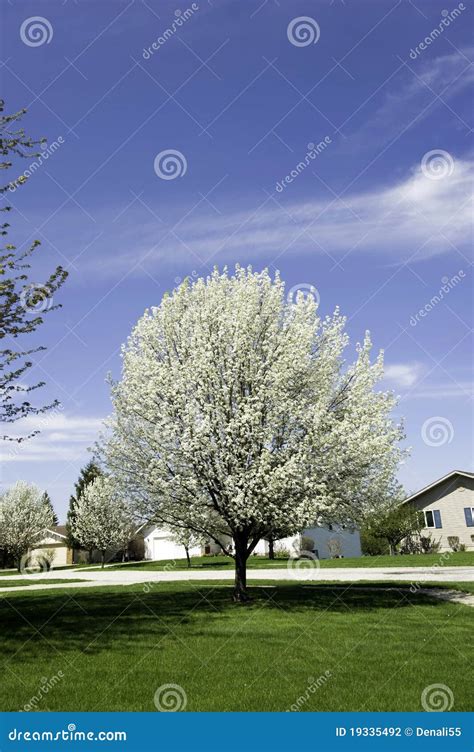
{"type": "Point", "coordinates": [165, 548]}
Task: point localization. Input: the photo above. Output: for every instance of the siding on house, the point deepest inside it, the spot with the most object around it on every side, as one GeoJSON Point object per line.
{"type": "Point", "coordinates": [328, 542]}
{"type": "Point", "coordinates": [52, 540]}
{"type": "Point", "coordinates": [450, 496]}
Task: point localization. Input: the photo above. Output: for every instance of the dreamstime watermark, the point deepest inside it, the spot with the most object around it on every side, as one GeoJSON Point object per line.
{"type": "Point", "coordinates": [170, 698]}
{"type": "Point", "coordinates": [181, 17]}
{"type": "Point", "coordinates": [46, 685]}
{"type": "Point", "coordinates": [35, 31]}
{"type": "Point", "coordinates": [303, 566]}
{"type": "Point", "coordinates": [443, 559]}
{"type": "Point", "coordinates": [313, 686]}
{"type": "Point", "coordinates": [36, 298]}
{"type": "Point", "coordinates": [437, 164]}
{"type": "Point", "coordinates": [437, 431]}
{"type": "Point", "coordinates": [437, 698]}
{"type": "Point", "coordinates": [449, 283]}
{"type": "Point", "coordinates": [193, 275]}
{"type": "Point", "coordinates": [447, 19]}
{"type": "Point", "coordinates": [305, 290]}
{"type": "Point", "coordinates": [313, 151]}
{"type": "Point", "coordinates": [148, 586]}
{"type": "Point", "coordinates": [70, 734]}
{"type": "Point", "coordinates": [303, 31]}
{"type": "Point", "coordinates": [37, 567]}
{"type": "Point", "coordinates": [36, 164]}
{"type": "Point", "coordinates": [170, 164]}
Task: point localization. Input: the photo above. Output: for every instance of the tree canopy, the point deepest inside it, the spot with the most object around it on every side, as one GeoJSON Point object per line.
{"type": "Point", "coordinates": [89, 472]}
{"type": "Point", "coordinates": [237, 415]}
{"type": "Point", "coordinates": [103, 520]}
{"type": "Point", "coordinates": [23, 518]}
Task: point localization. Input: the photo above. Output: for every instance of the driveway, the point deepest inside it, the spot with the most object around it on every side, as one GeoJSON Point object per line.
{"type": "Point", "coordinates": [97, 577]}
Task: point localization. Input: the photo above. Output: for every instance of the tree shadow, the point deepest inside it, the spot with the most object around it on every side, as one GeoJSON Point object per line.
{"type": "Point", "coordinates": [97, 620]}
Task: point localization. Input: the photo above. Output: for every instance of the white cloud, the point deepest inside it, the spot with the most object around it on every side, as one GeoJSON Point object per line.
{"type": "Point", "coordinates": [403, 374]}
{"type": "Point", "coordinates": [414, 218]}
{"type": "Point", "coordinates": [451, 390]}
{"type": "Point", "coordinates": [414, 100]}
{"type": "Point", "coordinates": [62, 438]}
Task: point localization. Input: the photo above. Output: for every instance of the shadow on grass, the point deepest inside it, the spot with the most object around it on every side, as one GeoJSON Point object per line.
{"type": "Point", "coordinates": [91, 621]}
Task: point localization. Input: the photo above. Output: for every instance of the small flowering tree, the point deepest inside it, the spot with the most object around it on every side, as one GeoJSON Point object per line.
{"type": "Point", "coordinates": [186, 538]}
{"type": "Point", "coordinates": [103, 520]}
{"type": "Point", "coordinates": [237, 416]}
{"type": "Point", "coordinates": [23, 518]}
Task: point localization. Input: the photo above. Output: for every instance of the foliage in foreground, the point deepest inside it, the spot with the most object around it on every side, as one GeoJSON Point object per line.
{"type": "Point", "coordinates": [22, 304]}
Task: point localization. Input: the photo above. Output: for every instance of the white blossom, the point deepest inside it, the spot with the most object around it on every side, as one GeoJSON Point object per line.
{"type": "Point", "coordinates": [236, 413]}
{"type": "Point", "coordinates": [103, 520]}
{"type": "Point", "coordinates": [23, 518]}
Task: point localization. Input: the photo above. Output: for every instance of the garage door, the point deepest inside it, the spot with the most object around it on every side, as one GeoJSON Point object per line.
{"type": "Point", "coordinates": [165, 548]}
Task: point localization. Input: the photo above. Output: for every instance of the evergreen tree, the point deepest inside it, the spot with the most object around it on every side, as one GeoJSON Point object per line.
{"type": "Point", "coordinates": [22, 304]}
{"type": "Point", "coordinates": [90, 472]}
{"type": "Point", "coordinates": [49, 504]}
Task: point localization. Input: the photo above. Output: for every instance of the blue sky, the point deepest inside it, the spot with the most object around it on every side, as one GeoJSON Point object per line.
{"type": "Point", "coordinates": [378, 221]}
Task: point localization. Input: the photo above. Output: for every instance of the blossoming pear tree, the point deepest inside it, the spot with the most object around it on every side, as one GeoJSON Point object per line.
{"type": "Point", "coordinates": [24, 516]}
{"type": "Point", "coordinates": [103, 519]}
{"type": "Point", "coordinates": [236, 415]}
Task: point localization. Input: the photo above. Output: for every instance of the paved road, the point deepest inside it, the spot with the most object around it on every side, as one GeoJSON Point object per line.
{"type": "Point", "coordinates": [96, 578]}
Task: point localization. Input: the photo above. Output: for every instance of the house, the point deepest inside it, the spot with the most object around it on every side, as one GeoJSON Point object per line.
{"type": "Point", "coordinates": [447, 506]}
{"type": "Point", "coordinates": [53, 539]}
{"type": "Point", "coordinates": [325, 542]}
{"type": "Point", "coordinates": [159, 544]}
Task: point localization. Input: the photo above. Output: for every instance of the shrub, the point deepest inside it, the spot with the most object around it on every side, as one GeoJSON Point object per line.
{"type": "Point", "coordinates": [307, 543]}
{"type": "Point", "coordinates": [428, 545]}
{"type": "Point", "coordinates": [453, 541]}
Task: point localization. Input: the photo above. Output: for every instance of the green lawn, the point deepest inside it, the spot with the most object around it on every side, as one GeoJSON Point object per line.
{"type": "Point", "coordinates": [460, 559]}
{"type": "Point", "coordinates": [11, 572]}
{"type": "Point", "coordinates": [375, 649]}
{"type": "Point", "coordinates": [22, 581]}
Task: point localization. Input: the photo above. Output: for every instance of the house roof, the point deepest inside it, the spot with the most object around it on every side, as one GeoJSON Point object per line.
{"type": "Point", "coordinates": [59, 530]}
{"type": "Point", "coordinates": [452, 474]}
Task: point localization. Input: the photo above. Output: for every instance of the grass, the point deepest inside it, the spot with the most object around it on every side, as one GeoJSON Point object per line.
{"type": "Point", "coordinates": [14, 571]}
{"type": "Point", "coordinates": [459, 559]}
{"type": "Point", "coordinates": [376, 649]}
{"type": "Point", "coordinates": [22, 581]}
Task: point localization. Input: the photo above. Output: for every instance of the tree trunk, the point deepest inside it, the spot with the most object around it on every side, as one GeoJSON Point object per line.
{"type": "Point", "coordinates": [240, 586]}
{"type": "Point", "coordinates": [187, 557]}
{"type": "Point", "coordinates": [271, 548]}
{"type": "Point", "coordinates": [103, 558]}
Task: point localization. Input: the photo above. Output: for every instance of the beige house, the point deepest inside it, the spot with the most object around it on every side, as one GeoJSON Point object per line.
{"type": "Point", "coordinates": [53, 539]}
{"type": "Point", "coordinates": [447, 506]}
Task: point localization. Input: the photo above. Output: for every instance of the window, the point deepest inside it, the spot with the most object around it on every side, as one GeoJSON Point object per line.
{"type": "Point", "coordinates": [469, 515]}
{"type": "Point", "coordinates": [433, 518]}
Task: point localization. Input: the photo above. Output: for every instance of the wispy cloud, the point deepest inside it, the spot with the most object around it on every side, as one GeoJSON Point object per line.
{"type": "Point", "coordinates": [414, 218]}
{"type": "Point", "coordinates": [62, 438]}
{"type": "Point", "coordinates": [403, 374]}
{"type": "Point", "coordinates": [452, 390]}
{"type": "Point", "coordinates": [424, 80]}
